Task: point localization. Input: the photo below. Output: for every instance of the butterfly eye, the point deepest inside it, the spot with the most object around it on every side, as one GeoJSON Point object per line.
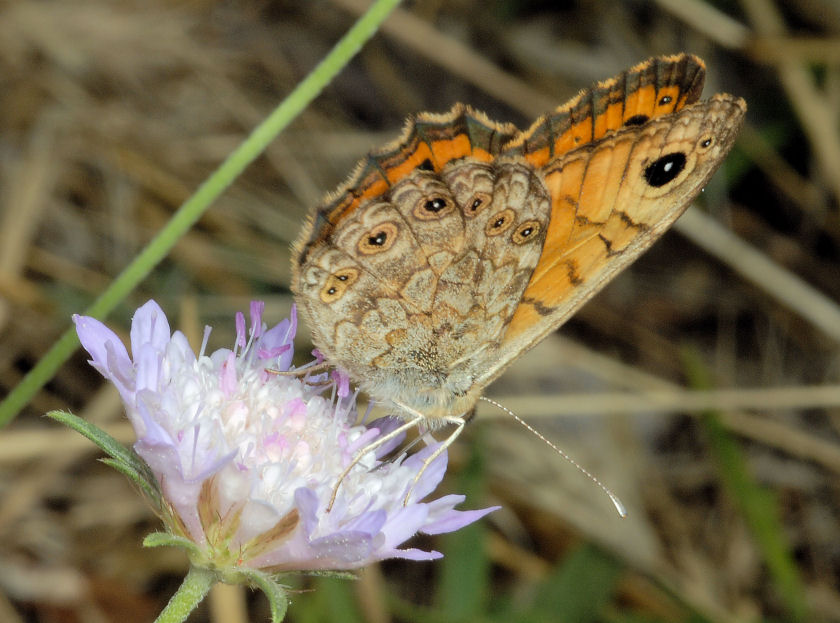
{"type": "Point", "coordinates": [378, 239]}
{"type": "Point", "coordinates": [526, 231]}
{"type": "Point", "coordinates": [337, 284]}
{"type": "Point", "coordinates": [665, 169]}
{"type": "Point", "coordinates": [500, 222]}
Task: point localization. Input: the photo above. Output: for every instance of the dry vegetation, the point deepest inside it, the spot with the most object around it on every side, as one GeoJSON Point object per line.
{"type": "Point", "coordinates": [111, 113]}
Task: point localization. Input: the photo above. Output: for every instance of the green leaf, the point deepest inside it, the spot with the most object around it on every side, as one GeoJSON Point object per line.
{"type": "Point", "coordinates": [278, 601]}
{"type": "Point", "coordinates": [579, 588]}
{"type": "Point", "coordinates": [108, 444]}
{"type": "Point", "coordinates": [149, 489]}
{"type": "Point", "coordinates": [403, 609]}
{"type": "Point", "coordinates": [338, 601]}
{"type": "Point", "coordinates": [164, 539]}
{"type": "Point", "coordinates": [758, 505]}
{"type": "Point", "coordinates": [463, 588]}
{"type": "Point", "coordinates": [329, 600]}
{"type": "Point", "coordinates": [122, 459]}
{"type": "Point", "coordinates": [335, 575]}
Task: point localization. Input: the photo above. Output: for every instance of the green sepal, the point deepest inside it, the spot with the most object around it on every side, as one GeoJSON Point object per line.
{"type": "Point", "coordinates": [274, 592]}
{"type": "Point", "coordinates": [150, 490]}
{"type": "Point", "coordinates": [123, 459]}
{"type": "Point", "coordinates": [164, 539]}
{"type": "Point", "coordinates": [338, 575]}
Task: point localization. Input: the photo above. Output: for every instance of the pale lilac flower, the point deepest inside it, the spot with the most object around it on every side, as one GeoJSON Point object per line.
{"type": "Point", "coordinates": [247, 460]}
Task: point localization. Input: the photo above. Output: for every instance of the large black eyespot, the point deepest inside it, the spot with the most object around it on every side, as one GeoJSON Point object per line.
{"type": "Point", "coordinates": [378, 239]}
{"type": "Point", "coordinates": [526, 231]}
{"type": "Point", "coordinates": [665, 169]}
{"type": "Point", "coordinates": [636, 120]}
{"type": "Point", "coordinates": [500, 222]}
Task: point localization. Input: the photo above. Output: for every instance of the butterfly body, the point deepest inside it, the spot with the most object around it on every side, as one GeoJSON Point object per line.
{"type": "Point", "coordinates": [452, 251]}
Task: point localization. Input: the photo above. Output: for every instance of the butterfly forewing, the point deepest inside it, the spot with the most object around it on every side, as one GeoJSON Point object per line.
{"type": "Point", "coordinates": [611, 200]}
{"type": "Point", "coordinates": [657, 87]}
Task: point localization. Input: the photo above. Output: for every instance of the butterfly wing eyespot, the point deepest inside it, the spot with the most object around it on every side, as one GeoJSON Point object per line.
{"type": "Point", "coordinates": [471, 184]}
{"type": "Point", "coordinates": [476, 204]}
{"type": "Point", "coordinates": [665, 169]}
{"type": "Point", "coordinates": [665, 100]}
{"type": "Point", "coordinates": [500, 222]}
{"type": "Point", "coordinates": [433, 208]}
{"type": "Point", "coordinates": [526, 232]}
{"type": "Point", "coordinates": [705, 143]}
{"type": "Point", "coordinates": [337, 284]}
{"type": "Point", "coordinates": [379, 239]}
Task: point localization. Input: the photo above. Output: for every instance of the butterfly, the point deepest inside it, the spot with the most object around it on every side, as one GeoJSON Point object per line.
{"type": "Point", "coordinates": [450, 252]}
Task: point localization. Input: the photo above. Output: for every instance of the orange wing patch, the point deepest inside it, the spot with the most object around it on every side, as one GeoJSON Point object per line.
{"type": "Point", "coordinates": [651, 89]}
{"type": "Point", "coordinates": [611, 199]}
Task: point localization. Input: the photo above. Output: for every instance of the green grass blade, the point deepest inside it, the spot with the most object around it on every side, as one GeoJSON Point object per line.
{"type": "Point", "coordinates": [579, 589]}
{"type": "Point", "coordinates": [197, 204]}
{"type": "Point", "coordinates": [463, 588]}
{"type": "Point", "coordinates": [758, 506]}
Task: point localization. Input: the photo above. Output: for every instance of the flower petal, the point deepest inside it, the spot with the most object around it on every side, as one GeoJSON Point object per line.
{"type": "Point", "coordinates": [452, 520]}
{"type": "Point", "coordinates": [432, 475]}
{"type": "Point", "coordinates": [403, 524]}
{"type": "Point", "coordinates": [275, 446]}
{"type": "Point", "coordinates": [415, 554]}
{"type": "Point", "coordinates": [149, 326]}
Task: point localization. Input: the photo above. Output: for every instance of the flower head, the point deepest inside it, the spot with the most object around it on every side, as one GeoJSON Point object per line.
{"type": "Point", "coordinates": [247, 460]}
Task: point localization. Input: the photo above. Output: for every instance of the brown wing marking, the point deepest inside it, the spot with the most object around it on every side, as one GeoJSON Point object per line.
{"type": "Point", "coordinates": [429, 141]}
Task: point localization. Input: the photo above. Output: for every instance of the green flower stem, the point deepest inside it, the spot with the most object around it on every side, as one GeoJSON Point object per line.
{"type": "Point", "coordinates": [192, 590]}
{"type": "Point", "coordinates": [195, 206]}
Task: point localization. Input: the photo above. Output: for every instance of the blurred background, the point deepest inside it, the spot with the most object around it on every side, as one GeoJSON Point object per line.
{"type": "Point", "coordinates": [701, 385]}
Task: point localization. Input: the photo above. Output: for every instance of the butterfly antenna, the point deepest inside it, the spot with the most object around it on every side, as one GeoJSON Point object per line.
{"type": "Point", "coordinates": [619, 506]}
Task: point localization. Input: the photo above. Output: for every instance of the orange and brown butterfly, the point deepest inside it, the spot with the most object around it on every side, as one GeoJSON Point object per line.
{"type": "Point", "coordinates": [455, 249]}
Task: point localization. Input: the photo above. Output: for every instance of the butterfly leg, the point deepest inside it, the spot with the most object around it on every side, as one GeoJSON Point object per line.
{"type": "Point", "coordinates": [319, 367]}
{"type": "Point", "coordinates": [459, 422]}
{"type": "Point", "coordinates": [369, 448]}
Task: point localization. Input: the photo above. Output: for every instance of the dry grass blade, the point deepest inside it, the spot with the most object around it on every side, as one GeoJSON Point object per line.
{"type": "Point", "coordinates": [111, 114]}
